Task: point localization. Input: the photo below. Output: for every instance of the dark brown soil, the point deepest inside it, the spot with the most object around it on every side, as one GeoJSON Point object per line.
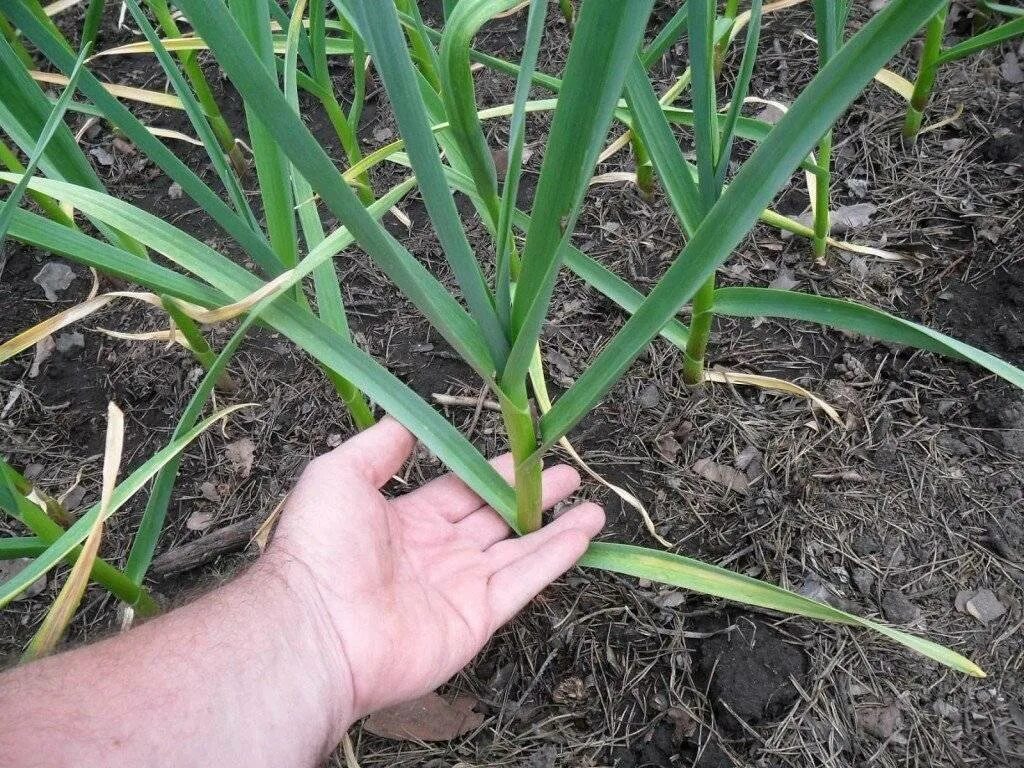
{"type": "Point", "coordinates": [918, 499]}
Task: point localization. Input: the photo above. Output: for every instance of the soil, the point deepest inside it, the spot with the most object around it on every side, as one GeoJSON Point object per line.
{"type": "Point", "coordinates": [917, 500]}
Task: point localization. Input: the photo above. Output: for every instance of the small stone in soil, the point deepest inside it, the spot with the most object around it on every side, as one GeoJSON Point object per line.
{"type": "Point", "coordinates": [54, 278]}
{"type": "Point", "coordinates": [67, 342]}
{"type": "Point", "coordinates": [863, 579]}
{"type": "Point", "coordinates": [985, 606]}
{"type": "Point", "coordinates": [898, 609]}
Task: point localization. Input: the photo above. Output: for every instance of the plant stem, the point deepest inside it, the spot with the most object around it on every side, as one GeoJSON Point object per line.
{"type": "Point", "coordinates": [731, 9]}
{"type": "Point", "coordinates": [568, 12]}
{"type": "Point", "coordinates": [644, 168]}
{"type": "Point", "coordinates": [821, 196]}
{"type": "Point", "coordinates": [522, 436]}
{"type": "Point", "coordinates": [700, 330]}
{"type": "Point", "coordinates": [194, 73]}
{"type": "Point", "coordinates": [348, 138]}
{"type": "Point", "coordinates": [926, 72]}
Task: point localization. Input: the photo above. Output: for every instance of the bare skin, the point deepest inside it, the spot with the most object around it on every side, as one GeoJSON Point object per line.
{"type": "Point", "coordinates": [360, 602]}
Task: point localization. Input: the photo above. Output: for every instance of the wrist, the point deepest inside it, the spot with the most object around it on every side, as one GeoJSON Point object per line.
{"type": "Point", "coordinates": [319, 673]}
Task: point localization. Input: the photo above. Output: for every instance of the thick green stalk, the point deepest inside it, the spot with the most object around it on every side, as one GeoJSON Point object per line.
{"type": "Point", "coordinates": [700, 331]}
{"type": "Point", "coordinates": [821, 196]}
{"type": "Point", "coordinates": [420, 49]}
{"type": "Point", "coordinates": [522, 436]}
{"type": "Point", "coordinates": [194, 73]}
{"type": "Point", "coordinates": [926, 71]}
{"type": "Point", "coordinates": [644, 168]}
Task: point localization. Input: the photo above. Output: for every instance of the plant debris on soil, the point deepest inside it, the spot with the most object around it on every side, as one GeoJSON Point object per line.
{"type": "Point", "coordinates": [911, 514]}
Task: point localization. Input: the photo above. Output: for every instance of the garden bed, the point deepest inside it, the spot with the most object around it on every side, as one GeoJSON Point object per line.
{"type": "Point", "coordinates": [917, 500]}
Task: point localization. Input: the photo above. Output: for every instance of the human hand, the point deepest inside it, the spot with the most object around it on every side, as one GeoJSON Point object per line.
{"type": "Point", "coordinates": [412, 587]}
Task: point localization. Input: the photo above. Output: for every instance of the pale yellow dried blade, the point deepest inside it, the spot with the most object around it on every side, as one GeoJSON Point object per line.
{"type": "Point", "coordinates": [774, 385]}
{"type": "Point", "coordinates": [127, 92]}
{"type": "Point", "coordinates": [944, 121]}
{"type": "Point", "coordinates": [895, 82]}
{"type": "Point", "coordinates": [169, 133]}
{"type": "Point", "coordinates": [170, 336]}
{"type": "Point", "coordinates": [236, 308]}
{"type": "Point", "coordinates": [49, 634]}
{"type": "Point", "coordinates": [613, 177]}
{"type": "Point", "coordinates": [60, 6]}
{"type": "Point", "coordinates": [50, 325]}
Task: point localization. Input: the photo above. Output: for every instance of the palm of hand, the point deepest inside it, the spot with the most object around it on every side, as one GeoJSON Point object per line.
{"type": "Point", "coordinates": [414, 586]}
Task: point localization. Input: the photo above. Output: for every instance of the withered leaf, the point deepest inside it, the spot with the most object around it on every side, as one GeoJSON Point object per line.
{"type": "Point", "coordinates": [428, 718]}
{"type": "Point", "coordinates": [240, 455]}
{"type": "Point", "coordinates": [721, 474]}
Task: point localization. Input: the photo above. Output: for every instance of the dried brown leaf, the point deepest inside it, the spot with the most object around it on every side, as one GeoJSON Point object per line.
{"type": "Point", "coordinates": [428, 718]}
{"type": "Point", "coordinates": [721, 474]}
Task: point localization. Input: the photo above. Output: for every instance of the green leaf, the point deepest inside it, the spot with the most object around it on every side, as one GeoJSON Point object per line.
{"type": "Point", "coordinates": [650, 124]}
{"type": "Point", "coordinates": [667, 36]}
{"type": "Point", "coordinates": [459, 93]}
{"type": "Point", "coordinates": [53, 122]}
{"type": "Point", "coordinates": [971, 45]}
{"type": "Point", "coordinates": [380, 27]}
{"type": "Point", "coordinates": [678, 571]}
{"type": "Point", "coordinates": [15, 547]}
{"type": "Point", "coordinates": [330, 305]}
{"type": "Point", "coordinates": [271, 164]}
{"type": "Point", "coordinates": [739, 93]}
{"type": "Point", "coordinates": [705, 109]}
{"type": "Point", "coordinates": [743, 201]}
{"type": "Point", "coordinates": [255, 85]}
{"type": "Point", "coordinates": [605, 39]}
{"type": "Point", "coordinates": [850, 316]}
{"type": "Point", "coordinates": [200, 124]}
{"type": "Point", "coordinates": [249, 239]}
{"type": "Point", "coordinates": [503, 238]}
{"type": "Point", "coordinates": [24, 113]}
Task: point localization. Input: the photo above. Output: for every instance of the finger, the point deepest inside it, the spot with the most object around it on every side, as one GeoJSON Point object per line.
{"type": "Point", "coordinates": [543, 557]}
{"type": "Point", "coordinates": [483, 527]}
{"type": "Point", "coordinates": [376, 453]}
{"type": "Point", "coordinates": [453, 499]}
{"type": "Point", "coordinates": [587, 517]}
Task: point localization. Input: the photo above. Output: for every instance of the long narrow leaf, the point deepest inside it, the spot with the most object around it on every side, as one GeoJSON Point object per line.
{"type": "Point", "coordinates": [700, 577]}
{"type": "Point", "coordinates": [851, 316]}
{"type": "Point", "coordinates": [53, 122]}
{"type": "Point", "coordinates": [605, 39]}
{"type": "Point", "coordinates": [271, 165]}
{"type": "Point", "coordinates": [739, 206]}
{"type": "Point", "coordinates": [196, 116]}
{"type": "Point", "coordinates": [980, 42]}
{"type": "Point", "coordinates": [379, 26]}
{"type": "Point", "coordinates": [252, 81]}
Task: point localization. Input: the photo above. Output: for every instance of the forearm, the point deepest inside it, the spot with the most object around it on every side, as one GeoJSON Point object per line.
{"type": "Point", "coordinates": [244, 676]}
